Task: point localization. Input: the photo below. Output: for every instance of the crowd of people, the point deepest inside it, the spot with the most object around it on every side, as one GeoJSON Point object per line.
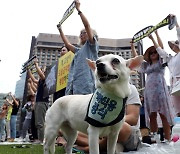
{"type": "Point", "coordinates": [8, 118]}
{"type": "Point", "coordinates": [160, 106]}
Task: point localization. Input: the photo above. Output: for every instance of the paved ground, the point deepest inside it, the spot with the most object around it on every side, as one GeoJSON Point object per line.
{"type": "Point", "coordinates": [161, 148]}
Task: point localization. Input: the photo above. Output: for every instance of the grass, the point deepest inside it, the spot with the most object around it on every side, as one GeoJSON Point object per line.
{"type": "Point", "coordinates": [26, 149]}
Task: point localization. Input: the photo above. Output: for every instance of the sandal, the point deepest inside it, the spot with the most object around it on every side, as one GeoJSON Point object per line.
{"type": "Point", "coordinates": [77, 151]}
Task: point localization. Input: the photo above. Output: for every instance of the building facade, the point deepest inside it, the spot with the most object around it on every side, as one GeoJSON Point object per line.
{"type": "Point", "coordinates": [47, 49]}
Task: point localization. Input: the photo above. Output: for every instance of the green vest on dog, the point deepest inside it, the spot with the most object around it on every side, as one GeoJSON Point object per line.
{"type": "Point", "coordinates": [105, 109]}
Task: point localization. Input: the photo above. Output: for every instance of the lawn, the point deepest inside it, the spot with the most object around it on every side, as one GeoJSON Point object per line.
{"type": "Point", "coordinates": [26, 149]}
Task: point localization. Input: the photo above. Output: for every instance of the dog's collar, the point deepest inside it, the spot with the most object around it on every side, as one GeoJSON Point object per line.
{"type": "Point", "coordinates": [105, 109]}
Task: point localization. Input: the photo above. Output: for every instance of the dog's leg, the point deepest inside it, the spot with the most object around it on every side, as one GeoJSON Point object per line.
{"type": "Point", "coordinates": [111, 142]}
{"type": "Point", "coordinates": [49, 149]}
{"type": "Point", "coordinates": [70, 136]}
{"type": "Point", "coordinates": [119, 148]}
{"type": "Point", "coordinates": [93, 137]}
{"type": "Point", "coordinates": [51, 129]}
{"type": "Point", "coordinates": [52, 147]}
{"type": "Point", "coordinates": [49, 144]}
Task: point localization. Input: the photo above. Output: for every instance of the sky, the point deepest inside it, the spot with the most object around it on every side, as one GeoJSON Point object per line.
{"type": "Point", "coordinates": [20, 20]}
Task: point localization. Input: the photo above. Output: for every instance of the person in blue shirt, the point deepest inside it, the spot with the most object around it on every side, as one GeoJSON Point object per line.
{"type": "Point", "coordinates": [80, 78]}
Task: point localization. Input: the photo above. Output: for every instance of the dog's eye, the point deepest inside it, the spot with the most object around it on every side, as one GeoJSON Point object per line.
{"type": "Point", "coordinates": [97, 62]}
{"type": "Point", "coordinates": [115, 61]}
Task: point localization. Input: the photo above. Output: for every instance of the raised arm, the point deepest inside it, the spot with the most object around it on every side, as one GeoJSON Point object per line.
{"type": "Point", "coordinates": [39, 71]}
{"type": "Point", "coordinates": [32, 76]}
{"type": "Point", "coordinates": [159, 40]}
{"type": "Point", "coordinates": [133, 50]}
{"type": "Point", "coordinates": [85, 22]}
{"type": "Point", "coordinates": [65, 40]}
{"type": "Point", "coordinates": [156, 45]}
{"type": "Point", "coordinates": [14, 99]}
{"type": "Point", "coordinates": [32, 84]}
{"type": "Point", "coordinates": [178, 30]}
{"type": "Point", "coordinates": [9, 101]}
{"type": "Point", "coordinates": [32, 88]}
{"type": "Point", "coordinates": [172, 15]}
{"type": "Point", "coordinates": [160, 51]}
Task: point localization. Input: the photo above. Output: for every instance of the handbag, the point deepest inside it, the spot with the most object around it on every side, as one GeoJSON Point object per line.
{"type": "Point", "coordinates": [176, 89]}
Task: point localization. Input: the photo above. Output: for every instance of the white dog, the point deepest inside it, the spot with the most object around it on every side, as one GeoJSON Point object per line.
{"type": "Point", "coordinates": [103, 117]}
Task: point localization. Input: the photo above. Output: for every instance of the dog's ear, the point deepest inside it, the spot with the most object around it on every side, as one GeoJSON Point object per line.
{"type": "Point", "coordinates": [135, 62]}
{"type": "Point", "coordinates": [92, 64]}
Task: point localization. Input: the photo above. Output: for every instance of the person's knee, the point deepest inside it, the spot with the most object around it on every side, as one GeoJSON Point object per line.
{"type": "Point", "coordinates": [124, 133]}
{"type": "Point", "coordinates": [133, 141]}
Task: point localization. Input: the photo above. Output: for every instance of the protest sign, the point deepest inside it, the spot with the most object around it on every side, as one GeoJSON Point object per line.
{"type": "Point", "coordinates": [28, 64]}
{"type": "Point", "coordinates": [63, 70]}
{"type": "Point", "coordinates": [169, 20]}
{"type": "Point", "coordinates": [51, 73]}
{"type": "Point", "coordinates": [68, 12]}
{"type": "Point", "coordinates": [57, 74]}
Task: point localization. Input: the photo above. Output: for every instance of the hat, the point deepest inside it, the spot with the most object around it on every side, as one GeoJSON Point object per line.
{"type": "Point", "coordinates": [146, 54]}
{"type": "Point", "coordinates": [175, 43]}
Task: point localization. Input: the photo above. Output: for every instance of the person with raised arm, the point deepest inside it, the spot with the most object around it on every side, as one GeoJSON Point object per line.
{"type": "Point", "coordinates": [13, 120]}
{"type": "Point", "coordinates": [173, 63]}
{"type": "Point", "coordinates": [80, 78]}
{"type": "Point", "coordinates": [156, 95]}
{"type": "Point", "coordinates": [41, 103]}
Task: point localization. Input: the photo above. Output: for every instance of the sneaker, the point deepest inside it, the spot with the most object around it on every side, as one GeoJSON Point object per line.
{"type": "Point", "coordinates": [165, 141]}
{"type": "Point", "coordinates": [3, 138]}
{"type": "Point", "coordinates": [19, 139]}
{"type": "Point", "coordinates": [155, 138]}
{"type": "Point", "coordinates": [24, 140]}
{"type": "Point", "coordinates": [75, 150]}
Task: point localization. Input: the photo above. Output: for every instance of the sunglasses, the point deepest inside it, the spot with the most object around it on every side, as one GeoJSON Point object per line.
{"type": "Point", "coordinates": [153, 52]}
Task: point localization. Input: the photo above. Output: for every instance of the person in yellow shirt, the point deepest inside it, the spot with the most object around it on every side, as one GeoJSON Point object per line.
{"type": "Point", "coordinates": [8, 117]}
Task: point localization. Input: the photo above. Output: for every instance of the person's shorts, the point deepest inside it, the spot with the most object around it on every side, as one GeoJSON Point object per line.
{"type": "Point", "coordinates": [133, 141]}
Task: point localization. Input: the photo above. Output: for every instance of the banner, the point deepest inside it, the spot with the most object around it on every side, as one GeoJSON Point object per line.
{"type": "Point", "coordinates": [148, 30]}
{"type": "Point", "coordinates": [68, 12]}
{"type": "Point", "coordinates": [51, 73]}
{"type": "Point", "coordinates": [29, 60]}
{"type": "Point", "coordinates": [57, 74]}
{"type": "Point", "coordinates": [28, 64]}
{"type": "Point", "coordinates": [63, 69]}
{"type": "Point", "coordinates": [141, 34]}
